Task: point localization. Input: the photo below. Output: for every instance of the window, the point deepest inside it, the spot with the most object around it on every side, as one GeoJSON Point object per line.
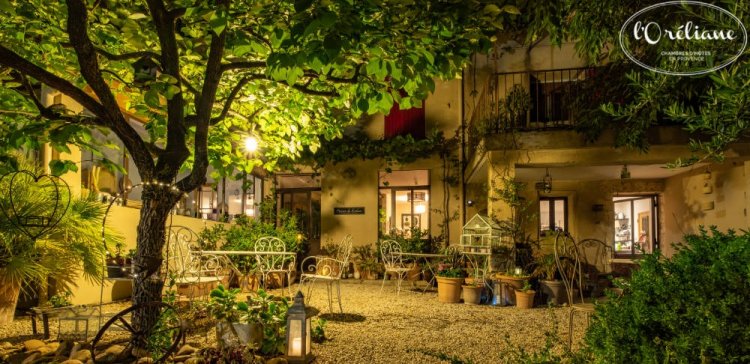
{"type": "Point", "coordinates": [300, 194]}
{"type": "Point", "coordinates": [405, 122]}
{"type": "Point", "coordinates": [404, 202]}
{"type": "Point", "coordinates": [635, 224]}
{"type": "Point", "coordinates": [553, 213]}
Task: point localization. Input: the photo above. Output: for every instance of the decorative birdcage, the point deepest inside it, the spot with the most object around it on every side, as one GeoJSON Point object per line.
{"type": "Point", "coordinates": [480, 234]}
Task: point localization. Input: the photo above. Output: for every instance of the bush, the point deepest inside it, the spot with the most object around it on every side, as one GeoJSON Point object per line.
{"type": "Point", "coordinates": [688, 309]}
{"type": "Point", "coordinates": [244, 232]}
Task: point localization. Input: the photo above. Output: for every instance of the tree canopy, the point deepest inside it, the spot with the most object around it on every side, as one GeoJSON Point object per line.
{"type": "Point", "coordinates": [209, 73]}
{"type": "Point", "coordinates": [631, 99]}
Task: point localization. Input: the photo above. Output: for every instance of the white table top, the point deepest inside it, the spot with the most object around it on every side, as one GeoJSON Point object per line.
{"type": "Point", "coordinates": [244, 252]}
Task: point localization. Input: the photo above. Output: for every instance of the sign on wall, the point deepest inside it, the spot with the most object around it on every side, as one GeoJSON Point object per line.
{"type": "Point", "coordinates": [348, 210]}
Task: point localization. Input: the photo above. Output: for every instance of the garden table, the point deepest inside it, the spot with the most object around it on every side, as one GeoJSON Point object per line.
{"type": "Point", "coordinates": [426, 258]}
{"type": "Point", "coordinates": [268, 260]}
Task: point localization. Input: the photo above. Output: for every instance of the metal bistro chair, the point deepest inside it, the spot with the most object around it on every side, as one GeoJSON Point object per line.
{"type": "Point", "coordinates": [189, 267]}
{"type": "Point", "coordinates": [269, 264]}
{"type": "Point", "coordinates": [596, 264]}
{"type": "Point", "coordinates": [568, 259]}
{"type": "Point", "coordinates": [328, 270]}
{"type": "Point", "coordinates": [390, 251]}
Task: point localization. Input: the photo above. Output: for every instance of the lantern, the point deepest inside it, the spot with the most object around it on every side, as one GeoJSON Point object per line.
{"type": "Point", "coordinates": [298, 332]}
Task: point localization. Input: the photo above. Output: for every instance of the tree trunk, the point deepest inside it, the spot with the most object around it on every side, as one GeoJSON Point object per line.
{"type": "Point", "coordinates": [158, 201]}
{"type": "Point", "coordinates": [9, 291]}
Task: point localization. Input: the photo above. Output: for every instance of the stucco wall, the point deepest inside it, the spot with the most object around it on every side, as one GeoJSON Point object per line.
{"type": "Point", "coordinates": [684, 197]}
{"type": "Point", "coordinates": [125, 221]}
{"type": "Point", "coordinates": [361, 190]}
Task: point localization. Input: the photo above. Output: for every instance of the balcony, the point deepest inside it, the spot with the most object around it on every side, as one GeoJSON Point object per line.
{"type": "Point", "coordinates": [527, 101]}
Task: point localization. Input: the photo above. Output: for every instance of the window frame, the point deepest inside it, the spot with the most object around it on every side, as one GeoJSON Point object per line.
{"type": "Point", "coordinates": [411, 189]}
{"type": "Point", "coordinates": [654, 226]}
{"type": "Point", "coordinates": [551, 200]}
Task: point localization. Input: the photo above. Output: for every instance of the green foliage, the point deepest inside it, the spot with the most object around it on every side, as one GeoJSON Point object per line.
{"type": "Point", "coordinates": [210, 237]}
{"type": "Point", "coordinates": [244, 232]}
{"type": "Point", "coordinates": [270, 312]}
{"type": "Point", "coordinates": [300, 70]}
{"type": "Point", "coordinates": [236, 354]}
{"type": "Point", "coordinates": [689, 308]}
{"type": "Point", "coordinates": [223, 304]}
{"type": "Point", "coordinates": [451, 272]}
{"type": "Point", "coordinates": [71, 247]}
{"type": "Point", "coordinates": [401, 149]}
{"type": "Point", "coordinates": [366, 258]}
{"type": "Point", "coordinates": [415, 240]}
{"type": "Point", "coordinates": [60, 299]}
{"type": "Point", "coordinates": [710, 106]}
{"type": "Point", "coordinates": [319, 330]}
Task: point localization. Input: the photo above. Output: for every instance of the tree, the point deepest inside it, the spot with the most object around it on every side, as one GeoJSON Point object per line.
{"type": "Point", "coordinates": [203, 74]}
{"type": "Point", "coordinates": [712, 106]}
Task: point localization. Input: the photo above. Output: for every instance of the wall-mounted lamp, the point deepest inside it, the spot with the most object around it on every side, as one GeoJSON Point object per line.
{"type": "Point", "coordinates": [546, 184]}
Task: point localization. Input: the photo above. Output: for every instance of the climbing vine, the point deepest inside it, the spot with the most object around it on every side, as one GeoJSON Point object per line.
{"type": "Point", "coordinates": [401, 149]}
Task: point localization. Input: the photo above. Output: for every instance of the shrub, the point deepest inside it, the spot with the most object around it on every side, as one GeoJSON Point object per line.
{"type": "Point", "coordinates": [244, 232]}
{"type": "Point", "coordinates": [688, 309]}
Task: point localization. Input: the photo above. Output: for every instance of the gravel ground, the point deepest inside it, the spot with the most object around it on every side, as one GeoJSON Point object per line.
{"type": "Point", "coordinates": [412, 327]}
{"type": "Point", "coordinates": [386, 328]}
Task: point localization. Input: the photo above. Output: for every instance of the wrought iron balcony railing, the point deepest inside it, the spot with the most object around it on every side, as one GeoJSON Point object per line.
{"type": "Point", "coordinates": [527, 101]}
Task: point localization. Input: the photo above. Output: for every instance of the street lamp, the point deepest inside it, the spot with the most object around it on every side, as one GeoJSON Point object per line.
{"type": "Point", "coordinates": [251, 144]}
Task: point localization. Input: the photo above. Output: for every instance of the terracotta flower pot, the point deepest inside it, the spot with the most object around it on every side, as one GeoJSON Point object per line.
{"type": "Point", "coordinates": [472, 294]}
{"type": "Point", "coordinates": [525, 299]}
{"type": "Point", "coordinates": [449, 289]}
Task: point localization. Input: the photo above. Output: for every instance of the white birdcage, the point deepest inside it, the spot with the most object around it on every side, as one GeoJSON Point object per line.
{"type": "Point", "coordinates": [480, 234]}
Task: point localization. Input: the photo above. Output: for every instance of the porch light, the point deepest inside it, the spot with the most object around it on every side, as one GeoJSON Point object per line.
{"type": "Point", "coordinates": [547, 182]}
{"type": "Point", "coordinates": [251, 144]}
{"type": "Point", "coordinates": [298, 332]}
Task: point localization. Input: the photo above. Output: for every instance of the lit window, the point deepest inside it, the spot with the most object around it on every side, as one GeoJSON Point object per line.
{"type": "Point", "coordinates": [636, 224]}
{"type": "Point", "coordinates": [553, 214]}
{"type": "Point", "coordinates": [404, 202]}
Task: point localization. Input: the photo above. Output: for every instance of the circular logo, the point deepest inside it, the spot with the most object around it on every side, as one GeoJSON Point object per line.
{"type": "Point", "coordinates": [683, 38]}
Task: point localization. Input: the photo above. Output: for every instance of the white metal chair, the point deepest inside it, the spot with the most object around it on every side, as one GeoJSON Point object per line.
{"type": "Point", "coordinates": [390, 251]}
{"type": "Point", "coordinates": [187, 265]}
{"type": "Point", "coordinates": [568, 259]}
{"type": "Point", "coordinates": [279, 261]}
{"type": "Point", "coordinates": [328, 270]}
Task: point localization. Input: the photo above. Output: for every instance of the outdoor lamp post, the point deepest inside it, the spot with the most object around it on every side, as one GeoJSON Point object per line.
{"type": "Point", "coordinates": [298, 332]}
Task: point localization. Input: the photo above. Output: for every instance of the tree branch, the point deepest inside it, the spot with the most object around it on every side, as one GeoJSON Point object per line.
{"type": "Point", "coordinates": [89, 66]}
{"type": "Point", "coordinates": [203, 108]}
{"type": "Point", "coordinates": [176, 151]}
{"type": "Point", "coordinates": [230, 99]}
{"type": "Point", "coordinates": [242, 65]}
{"type": "Point", "coordinates": [10, 59]}
{"type": "Point", "coordinates": [125, 56]}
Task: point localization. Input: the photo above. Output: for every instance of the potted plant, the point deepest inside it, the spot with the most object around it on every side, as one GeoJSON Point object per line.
{"type": "Point", "coordinates": [472, 290]}
{"type": "Point", "coordinates": [366, 263]}
{"type": "Point", "coordinates": [546, 268]}
{"type": "Point", "coordinates": [233, 325]}
{"type": "Point", "coordinates": [269, 312]}
{"type": "Point", "coordinates": [116, 262]}
{"type": "Point", "coordinates": [449, 282]}
{"type": "Point", "coordinates": [513, 281]}
{"type": "Point", "coordinates": [525, 296]}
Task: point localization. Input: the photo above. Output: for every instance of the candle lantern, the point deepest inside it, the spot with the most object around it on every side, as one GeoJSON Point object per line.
{"type": "Point", "coordinates": [298, 332]}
